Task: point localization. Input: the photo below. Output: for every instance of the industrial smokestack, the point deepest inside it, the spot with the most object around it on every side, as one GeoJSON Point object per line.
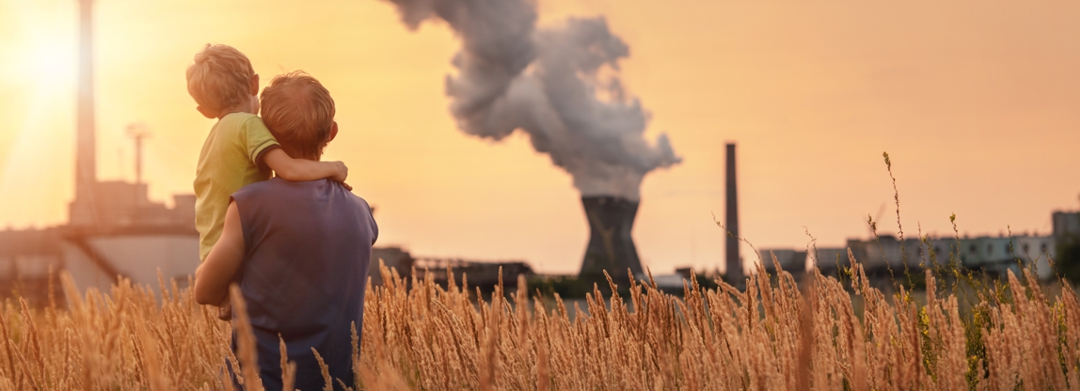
{"type": "Point", "coordinates": [731, 222]}
{"type": "Point", "coordinates": [610, 246]}
{"type": "Point", "coordinates": [85, 159]}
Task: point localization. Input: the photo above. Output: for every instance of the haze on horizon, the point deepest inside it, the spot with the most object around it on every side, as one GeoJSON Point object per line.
{"type": "Point", "coordinates": [977, 103]}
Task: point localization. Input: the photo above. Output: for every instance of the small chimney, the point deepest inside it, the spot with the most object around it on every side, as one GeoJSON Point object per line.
{"type": "Point", "coordinates": [610, 246]}
{"type": "Point", "coordinates": [731, 223]}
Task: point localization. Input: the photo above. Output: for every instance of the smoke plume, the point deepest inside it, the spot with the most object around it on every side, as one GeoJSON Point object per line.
{"type": "Point", "coordinates": [559, 84]}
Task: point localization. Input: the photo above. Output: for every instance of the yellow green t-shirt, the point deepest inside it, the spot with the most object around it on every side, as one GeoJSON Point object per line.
{"type": "Point", "coordinates": [229, 160]}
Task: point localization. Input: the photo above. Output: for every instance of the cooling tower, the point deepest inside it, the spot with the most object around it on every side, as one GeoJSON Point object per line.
{"type": "Point", "coordinates": [610, 246]}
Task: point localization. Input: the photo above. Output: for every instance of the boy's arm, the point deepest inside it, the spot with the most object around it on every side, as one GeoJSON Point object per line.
{"type": "Point", "coordinates": [212, 278]}
{"type": "Point", "coordinates": [301, 169]}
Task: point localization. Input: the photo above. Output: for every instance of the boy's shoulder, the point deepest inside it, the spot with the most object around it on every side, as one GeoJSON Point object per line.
{"type": "Point", "coordinates": [236, 120]}
{"type": "Point", "coordinates": [245, 130]}
{"type": "Point", "coordinates": [282, 188]}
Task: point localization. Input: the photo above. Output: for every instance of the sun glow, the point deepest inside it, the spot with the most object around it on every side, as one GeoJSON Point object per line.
{"type": "Point", "coordinates": [39, 41]}
{"type": "Point", "coordinates": [49, 62]}
{"type": "Point", "coordinates": [38, 68]}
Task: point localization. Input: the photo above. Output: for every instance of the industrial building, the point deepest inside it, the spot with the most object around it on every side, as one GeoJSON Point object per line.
{"type": "Point", "coordinates": [886, 255]}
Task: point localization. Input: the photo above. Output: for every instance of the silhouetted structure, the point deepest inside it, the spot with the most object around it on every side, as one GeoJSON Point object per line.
{"type": "Point", "coordinates": [1066, 224]}
{"type": "Point", "coordinates": [790, 260]}
{"type": "Point", "coordinates": [733, 262]}
{"type": "Point", "coordinates": [479, 274]}
{"type": "Point", "coordinates": [611, 247]}
{"type": "Point", "coordinates": [394, 258]}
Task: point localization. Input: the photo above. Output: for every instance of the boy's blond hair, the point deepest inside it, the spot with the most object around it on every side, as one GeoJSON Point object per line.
{"type": "Point", "coordinates": [299, 112]}
{"type": "Point", "coordinates": [220, 78]}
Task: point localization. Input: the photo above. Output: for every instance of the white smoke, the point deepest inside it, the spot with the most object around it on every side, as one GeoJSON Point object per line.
{"type": "Point", "coordinates": [560, 85]}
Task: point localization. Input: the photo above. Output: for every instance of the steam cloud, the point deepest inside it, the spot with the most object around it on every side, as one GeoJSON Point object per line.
{"type": "Point", "coordinates": [560, 85]}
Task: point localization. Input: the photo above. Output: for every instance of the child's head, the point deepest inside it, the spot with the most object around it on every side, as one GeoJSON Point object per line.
{"type": "Point", "coordinates": [299, 112]}
{"type": "Point", "coordinates": [222, 81]}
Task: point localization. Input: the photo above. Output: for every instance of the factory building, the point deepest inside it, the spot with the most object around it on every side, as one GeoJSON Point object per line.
{"type": "Point", "coordinates": [994, 255]}
{"type": "Point", "coordinates": [886, 256]}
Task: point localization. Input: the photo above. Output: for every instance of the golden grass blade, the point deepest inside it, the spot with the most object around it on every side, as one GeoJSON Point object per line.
{"type": "Point", "coordinates": [249, 362]}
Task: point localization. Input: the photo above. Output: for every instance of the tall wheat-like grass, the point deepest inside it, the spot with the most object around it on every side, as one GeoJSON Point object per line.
{"type": "Point", "coordinates": [419, 336]}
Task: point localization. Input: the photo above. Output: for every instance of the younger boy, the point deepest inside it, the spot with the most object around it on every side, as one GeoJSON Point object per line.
{"type": "Point", "coordinates": [239, 149]}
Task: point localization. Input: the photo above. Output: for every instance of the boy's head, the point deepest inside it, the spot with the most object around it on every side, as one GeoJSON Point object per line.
{"type": "Point", "coordinates": [222, 81]}
{"type": "Point", "coordinates": [299, 112]}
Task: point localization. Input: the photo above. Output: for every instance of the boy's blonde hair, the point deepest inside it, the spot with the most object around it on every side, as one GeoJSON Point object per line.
{"type": "Point", "coordinates": [220, 78]}
{"type": "Point", "coordinates": [299, 112]}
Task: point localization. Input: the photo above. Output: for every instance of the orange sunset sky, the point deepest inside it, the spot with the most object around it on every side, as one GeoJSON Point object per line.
{"type": "Point", "coordinates": [977, 103]}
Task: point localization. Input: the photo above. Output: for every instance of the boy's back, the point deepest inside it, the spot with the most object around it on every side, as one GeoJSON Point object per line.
{"type": "Point", "coordinates": [226, 164]}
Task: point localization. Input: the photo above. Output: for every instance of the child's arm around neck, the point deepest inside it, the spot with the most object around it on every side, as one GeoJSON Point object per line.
{"type": "Point", "coordinates": [297, 170]}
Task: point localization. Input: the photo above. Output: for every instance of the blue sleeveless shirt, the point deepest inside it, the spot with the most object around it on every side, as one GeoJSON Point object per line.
{"type": "Point", "coordinates": [304, 273]}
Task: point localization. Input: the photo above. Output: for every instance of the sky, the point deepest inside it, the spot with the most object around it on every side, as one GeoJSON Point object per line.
{"type": "Point", "coordinates": [976, 102]}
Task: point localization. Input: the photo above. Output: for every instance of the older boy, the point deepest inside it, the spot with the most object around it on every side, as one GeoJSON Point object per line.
{"type": "Point", "coordinates": [303, 248]}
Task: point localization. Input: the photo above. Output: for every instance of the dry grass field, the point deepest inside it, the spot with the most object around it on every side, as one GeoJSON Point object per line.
{"type": "Point", "coordinates": [772, 336]}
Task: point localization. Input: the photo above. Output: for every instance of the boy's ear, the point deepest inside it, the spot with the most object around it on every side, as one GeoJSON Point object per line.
{"type": "Point", "coordinates": [255, 84]}
{"type": "Point", "coordinates": [333, 132]}
{"type": "Point", "coordinates": [206, 112]}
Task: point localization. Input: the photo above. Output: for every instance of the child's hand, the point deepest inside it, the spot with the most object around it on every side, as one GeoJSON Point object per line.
{"type": "Point", "coordinates": [340, 173]}
{"type": "Point", "coordinates": [225, 312]}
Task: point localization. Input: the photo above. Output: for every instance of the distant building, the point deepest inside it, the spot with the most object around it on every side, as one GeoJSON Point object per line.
{"type": "Point", "coordinates": [1066, 224]}
{"type": "Point", "coordinates": [993, 255]}
{"type": "Point", "coordinates": [117, 234]}
{"type": "Point", "coordinates": [394, 258]}
{"type": "Point", "coordinates": [26, 257]}
{"type": "Point", "coordinates": [484, 274]}
{"type": "Point", "coordinates": [791, 261]}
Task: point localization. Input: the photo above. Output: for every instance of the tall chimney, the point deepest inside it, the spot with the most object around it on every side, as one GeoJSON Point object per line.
{"type": "Point", "coordinates": [731, 217]}
{"type": "Point", "coordinates": [85, 165]}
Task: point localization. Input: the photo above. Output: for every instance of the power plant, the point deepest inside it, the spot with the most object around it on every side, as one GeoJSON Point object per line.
{"type": "Point", "coordinates": [610, 247]}
{"type": "Point", "coordinates": [560, 86]}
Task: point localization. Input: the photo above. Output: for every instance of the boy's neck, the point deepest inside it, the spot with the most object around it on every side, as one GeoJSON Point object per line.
{"type": "Point", "coordinates": [249, 107]}
{"type": "Point", "coordinates": [233, 110]}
